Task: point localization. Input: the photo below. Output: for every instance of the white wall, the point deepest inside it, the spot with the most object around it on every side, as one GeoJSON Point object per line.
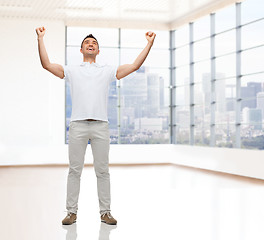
{"type": "Point", "coordinates": [32, 104]}
{"type": "Point", "coordinates": [31, 99]}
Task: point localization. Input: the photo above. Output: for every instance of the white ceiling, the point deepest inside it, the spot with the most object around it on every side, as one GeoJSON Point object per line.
{"type": "Point", "coordinates": [164, 14]}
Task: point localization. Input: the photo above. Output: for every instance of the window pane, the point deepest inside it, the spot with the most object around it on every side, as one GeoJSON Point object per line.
{"type": "Point", "coordinates": [250, 89]}
{"type": "Point", "coordinates": [201, 28]}
{"type": "Point", "coordinates": [108, 56]}
{"type": "Point", "coordinates": [252, 35]}
{"type": "Point", "coordinates": [158, 58]}
{"type": "Point", "coordinates": [183, 125]}
{"type": "Point", "coordinates": [225, 135]}
{"type": "Point", "coordinates": [182, 134]}
{"type": "Point", "coordinates": [225, 66]}
{"type": "Point", "coordinates": [248, 101]}
{"type": "Point", "coordinates": [182, 36]}
{"type": "Point", "coordinates": [128, 55]}
{"type": "Point", "coordinates": [136, 38]}
{"type": "Point", "coordinates": [222, 115]}
{"type": "Point", "coordinates": [183, 95]}
{"type": "Point", "coordinates": [198, 94]}
{"type": "Point", "coordinates": [225, 19]}
{"type": "Point", "coordinates": [256, 78]}
{"type": "Point", "coordinates": [221, 88]}
{"type": "Point", "coordinates": [162, 73]}
{"type": "Point", "coordinates": [252, 138]}
{"type": "Point", "coordinates": [183, 116]}
{"type": "Point", "coordinates": [164, 78]}
{"type": "Point", "coordinates": [202, 116]}
{"type": "Point", "coordinates": [201, 50]}
{"type": "Point", "coordinates": [206, 88]}
{"type": "Point", "coordinates": [143, 129]}
{"type": "Point", "coordinates": [106, 37]}
{"type": "Point", "coordinates": [202, 135]}
{"type": "Point", "coordinates": [182, 75]}
{"type": "Point", "coordinates": [133, 38]}
{"type": "Point", "coordinates": [252, 10]}
{"type": "Point", "coordinates": [230, 88]}
{"type": "Point", "coordinates": [252, 117]}
{"type": "Point", "coordinates": [153, 60]}
{"type": "Point", "coordinates": [144, 115]}
{"type": "Point", "coordinates": [252, 60]}
{"type": "Point", "coordinates": [202, 125]}
{"type": "Point", "coordinates": [201, 71]}
{"type": "Point", "coordinates": [252, 121]}
{"type": "Point", "coordinates": [225, 43]}
{"type": "Point", "coordinates": [182, 56]}
{"type": "Point", "coordinates": [134, 90]}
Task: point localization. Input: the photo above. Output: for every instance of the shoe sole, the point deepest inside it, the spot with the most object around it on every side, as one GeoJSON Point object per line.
{"type": "Point", "coordinates": [108, 223]}
{"type": "Point", "coordinates": [69, 223]}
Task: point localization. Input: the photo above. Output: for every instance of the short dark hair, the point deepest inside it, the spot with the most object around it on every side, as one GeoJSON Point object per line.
{"type": "Point", "coordinates": [90, 36]}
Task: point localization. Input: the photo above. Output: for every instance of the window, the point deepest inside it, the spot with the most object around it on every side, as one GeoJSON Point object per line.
{"type": "Point", "coordinates": [214, 89]}
{"type": "Point", "coordinates": [144, 105]}
{"type": "Point", "coordinates": [220, 92]}
{"type": "Point", "coordinates": [138, 106]}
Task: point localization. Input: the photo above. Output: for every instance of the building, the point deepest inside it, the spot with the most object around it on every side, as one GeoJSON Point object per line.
{"type": "Point", "coordinates": [260, 102]}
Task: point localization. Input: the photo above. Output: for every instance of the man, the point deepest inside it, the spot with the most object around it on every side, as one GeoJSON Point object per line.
{"type": "Point", "coordinates": [89, 84]}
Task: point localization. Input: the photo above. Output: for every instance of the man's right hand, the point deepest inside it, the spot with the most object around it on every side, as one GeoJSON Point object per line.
{"type": "Point", "coordinates": [54, 68]}
{"type": "Point", "coordinates": [40, 32]}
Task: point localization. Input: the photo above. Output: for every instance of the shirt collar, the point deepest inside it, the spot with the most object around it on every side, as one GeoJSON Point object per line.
{"type": "Point", "coordinates": [91, 64]}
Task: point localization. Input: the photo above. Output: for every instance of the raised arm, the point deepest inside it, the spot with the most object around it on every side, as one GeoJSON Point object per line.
{"type": "Point", "coordinates": [54, 68]}
{"type": "Point", "coordinates": [126, 69]}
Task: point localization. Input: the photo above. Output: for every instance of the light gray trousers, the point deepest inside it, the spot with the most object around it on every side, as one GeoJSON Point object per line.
{"type": "Point", "coordinates": [79, 133]}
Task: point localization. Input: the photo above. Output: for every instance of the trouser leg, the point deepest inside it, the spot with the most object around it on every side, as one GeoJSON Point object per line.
{"type": "Point", "coordinates": [78, 141]}
{"type": "Point", "coordinates": [100, 148]}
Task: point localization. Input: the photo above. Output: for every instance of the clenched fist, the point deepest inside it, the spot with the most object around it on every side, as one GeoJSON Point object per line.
{"type": "Point", "coordinates": [150, 36]}
{"type": "Point", "coordinates": [40, 32]}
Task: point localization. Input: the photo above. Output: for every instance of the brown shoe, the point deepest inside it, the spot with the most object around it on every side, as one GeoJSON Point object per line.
{"type": "Point", "coordinates": [108, 219]}
{"type": "Point", "coordinates": [69, 219]}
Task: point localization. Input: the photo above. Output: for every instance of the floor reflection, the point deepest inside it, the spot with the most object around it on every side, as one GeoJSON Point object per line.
{"type": "Point", "coordinates": [104, 232]}
{"type": "Point", "coordinates": [71, 231]}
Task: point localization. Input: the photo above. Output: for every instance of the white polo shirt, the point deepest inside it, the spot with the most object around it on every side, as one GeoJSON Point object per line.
{"type": "Point", "coordinates": [89, 85]}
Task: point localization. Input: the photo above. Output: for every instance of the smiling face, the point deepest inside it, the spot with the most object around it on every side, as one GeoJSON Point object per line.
{"type": "Point", "coordinates": [90, 47]}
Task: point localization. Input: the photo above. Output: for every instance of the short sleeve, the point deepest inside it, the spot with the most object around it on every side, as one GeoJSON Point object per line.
{"type": "Point", "coordinates": [66, 73]}
{"type": "Point", "coordinates": [113, 73]}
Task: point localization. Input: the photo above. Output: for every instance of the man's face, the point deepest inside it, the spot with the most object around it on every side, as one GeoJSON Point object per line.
{"type": "Point", "coordinates": [90, 47]}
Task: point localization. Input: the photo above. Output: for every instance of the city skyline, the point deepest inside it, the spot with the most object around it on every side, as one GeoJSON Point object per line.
{"type": "Point", "coordinates": [201, 85]}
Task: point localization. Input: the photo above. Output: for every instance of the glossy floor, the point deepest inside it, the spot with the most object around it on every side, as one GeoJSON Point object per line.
{"type": "Point", "coordinates": [151, 202]}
